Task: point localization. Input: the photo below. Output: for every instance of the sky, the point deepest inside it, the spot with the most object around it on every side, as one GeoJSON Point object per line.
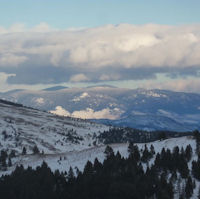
{"type": "Point", "coordinates": [124, 43]}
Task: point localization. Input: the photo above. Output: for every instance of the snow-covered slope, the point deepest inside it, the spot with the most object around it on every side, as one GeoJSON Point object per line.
{"type": "Point", "coordinates": [63, 161]}
{"type": "Point", "coordinates": [78, 159]}
{"type": "Point", "coordinates": [63, 141]}
{"type": "Point", "coordinates": [24, 127]}
{"type": "Point", "coordinates": [139, 108]}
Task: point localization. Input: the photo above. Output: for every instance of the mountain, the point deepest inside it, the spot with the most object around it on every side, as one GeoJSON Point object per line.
{"type": "Point", "coordinates": [27, 127]}
{"type": "Point", "coordinates": [137, 108]}
{"type": "Point", "coordinates": [55, 88]}
{"type": "Point", "coordinates": [65, 142]}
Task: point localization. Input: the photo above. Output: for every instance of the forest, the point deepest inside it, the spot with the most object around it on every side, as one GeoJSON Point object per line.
{"type": "Point", "coordinates": [143, 174]}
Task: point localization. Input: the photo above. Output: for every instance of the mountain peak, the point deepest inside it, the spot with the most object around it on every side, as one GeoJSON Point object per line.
{"type": "Point", "coordinates": [55, 88]}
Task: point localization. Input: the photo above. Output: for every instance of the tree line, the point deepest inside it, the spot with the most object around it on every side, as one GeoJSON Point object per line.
{"type": "Point", "coordinates": [143, 174]}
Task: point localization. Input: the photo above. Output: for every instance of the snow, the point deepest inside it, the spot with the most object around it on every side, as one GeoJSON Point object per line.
{"type": "Point", "coordinates": [29, 127]}
{"type": "Point", "coordinates": [59, 110]}
{"type": "Point", "coordinates": [182, 108]}
{"type": "Point", "coordinates": [40, 100]}
{"type": "Point", "coordinates": [82, 96]}
{"type": "Point", "coordinates": [89, 113]}
{"type": "Point", "coordinates": [78, 158]}
{"type": "Point", "coordinates": [150, 93]}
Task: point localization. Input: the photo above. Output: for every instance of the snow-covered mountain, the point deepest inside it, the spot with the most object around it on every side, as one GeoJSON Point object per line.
{"type": "Point", "coordinates": [139, 108]}
{"type": "Point", "coordinates": [25, 127]}
{"type": "Point", "coordinates": [63, 142]}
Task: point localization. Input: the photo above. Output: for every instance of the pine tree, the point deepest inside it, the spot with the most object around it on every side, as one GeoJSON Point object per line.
{"type": "Point", "coordinates": [188, 152]}
{"type": "Point", "coordinates": [146, 154]}
{"type": "Point", "coordinates": [9, 162]}
{"type": "Point", "coordinates": [36, 150]}
{"type": "Point", "coordinates": [24, 151]}
{"type": "Point", "coordinates": [130, 148]}
{"type": "Point", "coordinates": [196, 169]}
{"type": "Point", "coordinates": [97, 165]}
{"type": "Point", "coordinates": [183, 169]}
{"type": "Point", "coordinates": [12, 154]}
{"type": "Point", "coordinates": [189, 187]}
{"type": "Point", "coordinates": [136, 153]}
{"type": "Point", "coordinates": [196, 135]}
{"type": "Point", "coordinates": [3, 158]}
{"type": "Point", "coordinates": [70, 175]}
{"type": "Point", "coordinates": [152, 149]}
{"type": "Point", "coordinates": [109, 152]}
{"type": "Point", "coordinates": [88, 170]}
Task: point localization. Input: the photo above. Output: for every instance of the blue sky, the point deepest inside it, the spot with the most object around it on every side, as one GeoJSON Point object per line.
{"type": "Point", "coordinates": [127, 43]}
{"type": "Point", "coordinates": [90, 13]}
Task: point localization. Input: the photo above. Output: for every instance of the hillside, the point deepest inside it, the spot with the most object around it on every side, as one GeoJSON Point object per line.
{"type": "Point", "coordinates": [25, 127]}
{"type": "Point", "coordinates": [63, 161]}
{"type": "Point", "coordinates": [139, 108]}
{"type": "Point", "coordinates": [78, 159]}
{"type": "Point", "coordinates": [66, 143]}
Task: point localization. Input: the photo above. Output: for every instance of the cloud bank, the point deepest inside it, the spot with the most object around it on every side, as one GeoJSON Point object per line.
{"type": "Point", "coordinates": [107, 53]}
{"type": "Point", "coordinates": [89, 113]}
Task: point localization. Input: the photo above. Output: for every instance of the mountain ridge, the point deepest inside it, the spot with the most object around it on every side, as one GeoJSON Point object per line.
{"type": "Point", "coordinates": [117, 106]}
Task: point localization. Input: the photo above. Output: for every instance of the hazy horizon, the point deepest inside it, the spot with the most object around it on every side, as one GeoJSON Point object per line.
{"type": "Point", "coordinates": [129, 44]}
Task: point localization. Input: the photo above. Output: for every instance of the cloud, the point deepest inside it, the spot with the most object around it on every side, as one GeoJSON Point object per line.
{"type": "Point", "coordinates": [9, 60]}
{"type": "Point", "coordinates": [60, 111]}
{"type": "Point", "coordinates": [185, 85]}
{"type": "Point", "coordinates": [89, 113]}
{"type": "Point", "coordinates": [82, 96]}
{"type": "Point", "coordinates": [108, 53]}
{"type": "Point", "coordinates": [78, 78]}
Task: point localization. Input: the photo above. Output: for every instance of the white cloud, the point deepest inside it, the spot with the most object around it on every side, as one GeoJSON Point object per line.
{"type": "Point", "coordinates": [79, 78]}
{"type": "Point", "coordinates": [82, 96]}
{"type": "Point", "coordinates": [102, 114]}
{"type": "Point", "coordinates": [40, 100]}
{"type": "Point", "coordinates": [89, 113]}
{"type": "Point", "coordinates": [102, 53]}
{"type": "Point", "coordinates": [42, 27]}
{"type": "Point", "coordinates": [8, 59]}
{"type": "Point", "coordinates": [109, 77]}
{"type": "Point", "coordinates": [60, 111]}
{"type": "Point", "coordinates": [187, 85]}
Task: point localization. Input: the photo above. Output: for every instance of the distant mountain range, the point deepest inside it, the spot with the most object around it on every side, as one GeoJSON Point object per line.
{"type": "Point", "coordinates": [138, 108]}
{"type": "Point", "coordinates": [55, 88]}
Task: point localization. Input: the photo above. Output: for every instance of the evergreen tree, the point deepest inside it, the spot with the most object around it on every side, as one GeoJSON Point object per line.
{"type": "Point", "coordinates": [36, 150]}
{"type": "Point", "coordinates": [88, 170]}
{"type": "Point", "coordinates": [130, 148]}
{"type": "Point", "coordinates": [24, 151]}
{"type": "Point", "coordinates": [12, 154]}
{"type": "Point", "coordinates": [189, 187]}
{"type": "Point", "coordinates": [97, 165]}
{"type": "Point", "coordinates": [196, 135]}
{"type": "Point", "coordinates": [152, 149]}
{"type": "Point", "coordinates": [134, 151]}
{"type": "Point", "coordinates": [196, 169]}
{"type": "Point", "coordinates": [188, 152]}
{"type": "Point", "coordinates": [70, 175]}
{"type": "Point", "coordinates": [109, 152]}
{"type": "Point", "coordinates": [9, 162]}
{"type": "Point", "coordinates": [183, 169]}
{"type": "Point", "coordinates": [3, 157]}
{"type": "Point", "coordinates": [146, 155]}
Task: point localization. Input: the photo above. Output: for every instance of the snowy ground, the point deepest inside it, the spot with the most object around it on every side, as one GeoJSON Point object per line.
{"type": "Point", "coordinates": [22, 127]}
{"type": "Point", "coordinates": [28, 127]}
